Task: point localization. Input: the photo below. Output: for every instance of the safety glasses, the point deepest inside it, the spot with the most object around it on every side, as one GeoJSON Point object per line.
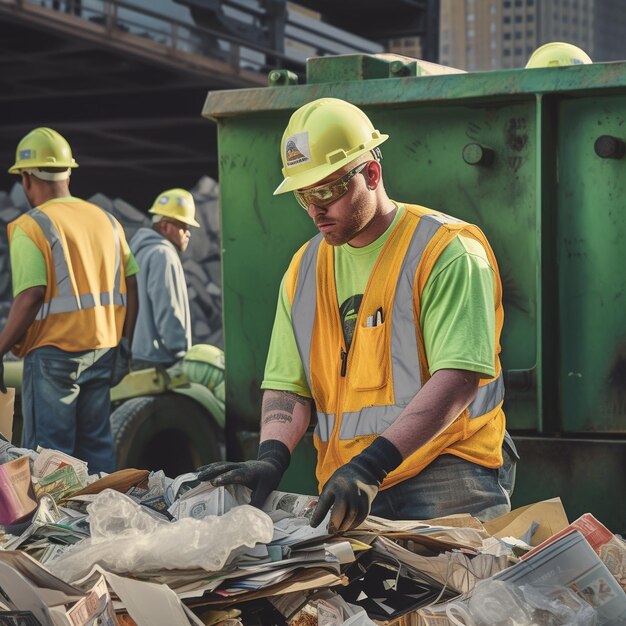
{"type": "Point", "coordinates": [325, 195]}
{"type": "Point", "coordinates": [177, 224]}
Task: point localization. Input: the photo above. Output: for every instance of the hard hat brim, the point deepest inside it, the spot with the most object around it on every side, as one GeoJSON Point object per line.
{"type": "Point", "coordinates": [178, 218]}
{"type": "Point", "coordinates": [17, 168]}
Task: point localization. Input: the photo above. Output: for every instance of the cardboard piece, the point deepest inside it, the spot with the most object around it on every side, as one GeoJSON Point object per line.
{"type": "Point", "coordinates": [121, 481]}
{"type": "Point", "coordinates": [7, 402]}
{"type": "Point", "coordinates": [304, 580]}
{"type": "Point", "coordinates": [548, 514]}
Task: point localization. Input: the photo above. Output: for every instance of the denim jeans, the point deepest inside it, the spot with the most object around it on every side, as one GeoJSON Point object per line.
{"type": "Point", "coordinates": [448, 485]}
{"type": "Point", "coordinates": [66, 404]}
{"type": "Point", "coordinates": [506, 474]}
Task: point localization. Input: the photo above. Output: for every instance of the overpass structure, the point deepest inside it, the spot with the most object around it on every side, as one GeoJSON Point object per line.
{"type": "Point", "coordinates": [125, 82]}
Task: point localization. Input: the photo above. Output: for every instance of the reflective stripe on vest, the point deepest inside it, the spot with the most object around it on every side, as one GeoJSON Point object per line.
{"type": "Point", "coordinates": [404, 349]}
{"type": "Point", "coordinates": [488, 397]}
{"type": "Point", "coordinates": [67, 301]}
{"type": "Point", "coordinates": [305, 302]}
{"type": "Point", "coordinates": [118, 296]}
{"type": "Point", "coordinates": [325, 425]}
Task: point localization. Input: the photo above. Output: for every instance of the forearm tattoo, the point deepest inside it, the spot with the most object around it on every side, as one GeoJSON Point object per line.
{"type": "Point", "coordinates": [279, 406]}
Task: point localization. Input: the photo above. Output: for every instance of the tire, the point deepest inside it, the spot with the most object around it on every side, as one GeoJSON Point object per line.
{"type": "Point", "coordinates": [169, 432]}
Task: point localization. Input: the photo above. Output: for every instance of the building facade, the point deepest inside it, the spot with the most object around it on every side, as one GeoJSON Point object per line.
{"type": "Point", "coordinates": [480, 35]}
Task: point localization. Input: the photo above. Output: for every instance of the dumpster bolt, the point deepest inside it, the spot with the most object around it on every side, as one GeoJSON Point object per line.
{"type": "Point", "coordinates": [609, 147]}
{"type": "Point", "coordinates": [475, 154]}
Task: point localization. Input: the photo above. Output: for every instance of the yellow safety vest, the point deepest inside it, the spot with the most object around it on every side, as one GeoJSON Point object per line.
{"type": "Point", "coordinates": [85, 299]}
{"type": "Point", "coordinates": [359, 395]}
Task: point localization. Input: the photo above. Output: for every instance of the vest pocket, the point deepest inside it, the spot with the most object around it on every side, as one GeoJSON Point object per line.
{"type": "Point", "coordinates": [370, 365]}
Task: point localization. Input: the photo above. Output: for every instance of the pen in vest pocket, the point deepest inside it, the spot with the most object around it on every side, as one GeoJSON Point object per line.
{"type": "Point", "coordinates": [376, 319]}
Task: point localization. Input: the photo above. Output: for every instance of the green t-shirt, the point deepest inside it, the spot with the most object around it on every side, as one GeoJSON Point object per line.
{"type": "Point", "coordinates": [457, 315]}
{"type": "Point", "coordinates": [28, 265]}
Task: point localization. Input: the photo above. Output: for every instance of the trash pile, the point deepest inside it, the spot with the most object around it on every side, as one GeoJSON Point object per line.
{"type": "Point", "coordinates": [139, 548]}
{"type": "Point", "coordinates": [201, 260]}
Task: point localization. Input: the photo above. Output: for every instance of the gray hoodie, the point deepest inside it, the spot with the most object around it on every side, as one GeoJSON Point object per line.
{"type": "Point", "coordinates": [163, 329]}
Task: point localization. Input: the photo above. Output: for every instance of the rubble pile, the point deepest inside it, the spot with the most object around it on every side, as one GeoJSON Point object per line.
{"type": "Point", "coordinates": [201, 261]}
{"type": "Point", "coordinates": [138, 548]}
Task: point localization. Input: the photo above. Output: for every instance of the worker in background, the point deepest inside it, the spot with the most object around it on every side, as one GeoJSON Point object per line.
{"type": "Point", "coordinates": [388, 324]}
{"type": "Point", "coordinates": [163, 333]}
{"type": "Point", "coordinates": [74, 307]}
{"type": "Point", "coordinates": [558, 54]}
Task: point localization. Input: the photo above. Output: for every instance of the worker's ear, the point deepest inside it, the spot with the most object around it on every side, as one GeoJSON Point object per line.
{"type": "Point", "coordinates": [373, 173]}
{"type": "Point", "coordinates": [26, 182]}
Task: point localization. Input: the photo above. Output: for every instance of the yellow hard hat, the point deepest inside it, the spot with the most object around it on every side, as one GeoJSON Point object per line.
{"type": "Point", "coordinates": [177, 204]}
{"type": "Point", "coordinates": [558, 54]}
{"type": "Point", "coordinates": [322, 136]}
{"type": "Point", "coordinates": [43, 147]}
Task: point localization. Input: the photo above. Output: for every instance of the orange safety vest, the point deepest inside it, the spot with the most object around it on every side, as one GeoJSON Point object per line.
{"type": "Point", "coordinates": [359, 395]}
{"type": "Point", "coordinates": [85, 299]}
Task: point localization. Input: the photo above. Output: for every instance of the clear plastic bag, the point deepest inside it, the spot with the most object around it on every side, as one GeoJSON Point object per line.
{"type": "Point", "coordinates": [125, 538]}
{"type": "Point", "coordinates": [558, 606]}
{"type": "Point", "coordinates": [496, 603]}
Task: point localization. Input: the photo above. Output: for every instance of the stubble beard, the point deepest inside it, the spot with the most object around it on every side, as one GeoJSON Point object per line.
{"type": "Point", "coordinates": [359, 219]}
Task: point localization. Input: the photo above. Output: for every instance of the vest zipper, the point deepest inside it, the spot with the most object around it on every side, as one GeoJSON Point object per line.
{"type": "Point", "coordinates": [334, 437]}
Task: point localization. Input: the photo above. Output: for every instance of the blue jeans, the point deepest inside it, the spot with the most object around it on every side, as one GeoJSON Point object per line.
{"type": "Point", "coordinates": [447, 486]}
{"type": "Point", "coordinates": [66, 404]}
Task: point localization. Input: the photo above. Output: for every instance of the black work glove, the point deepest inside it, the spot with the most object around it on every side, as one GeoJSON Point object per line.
{"type": "Point", "coordinates": [352, 488]}
{"type": "Point", "coordinates": [3, 387]}
{"type": "Point", "coordinates": [121, 362]}
{"type": "Point", "coordinates": [262, 475]}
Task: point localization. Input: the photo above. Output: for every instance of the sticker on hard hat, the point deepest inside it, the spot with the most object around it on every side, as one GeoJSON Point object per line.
{"type": "Point", "coordinates": [163, 200]}
{"type": "Point", "coordinates": [27, 154]}
{"type": "Point", "coordinates": [297, 150]}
